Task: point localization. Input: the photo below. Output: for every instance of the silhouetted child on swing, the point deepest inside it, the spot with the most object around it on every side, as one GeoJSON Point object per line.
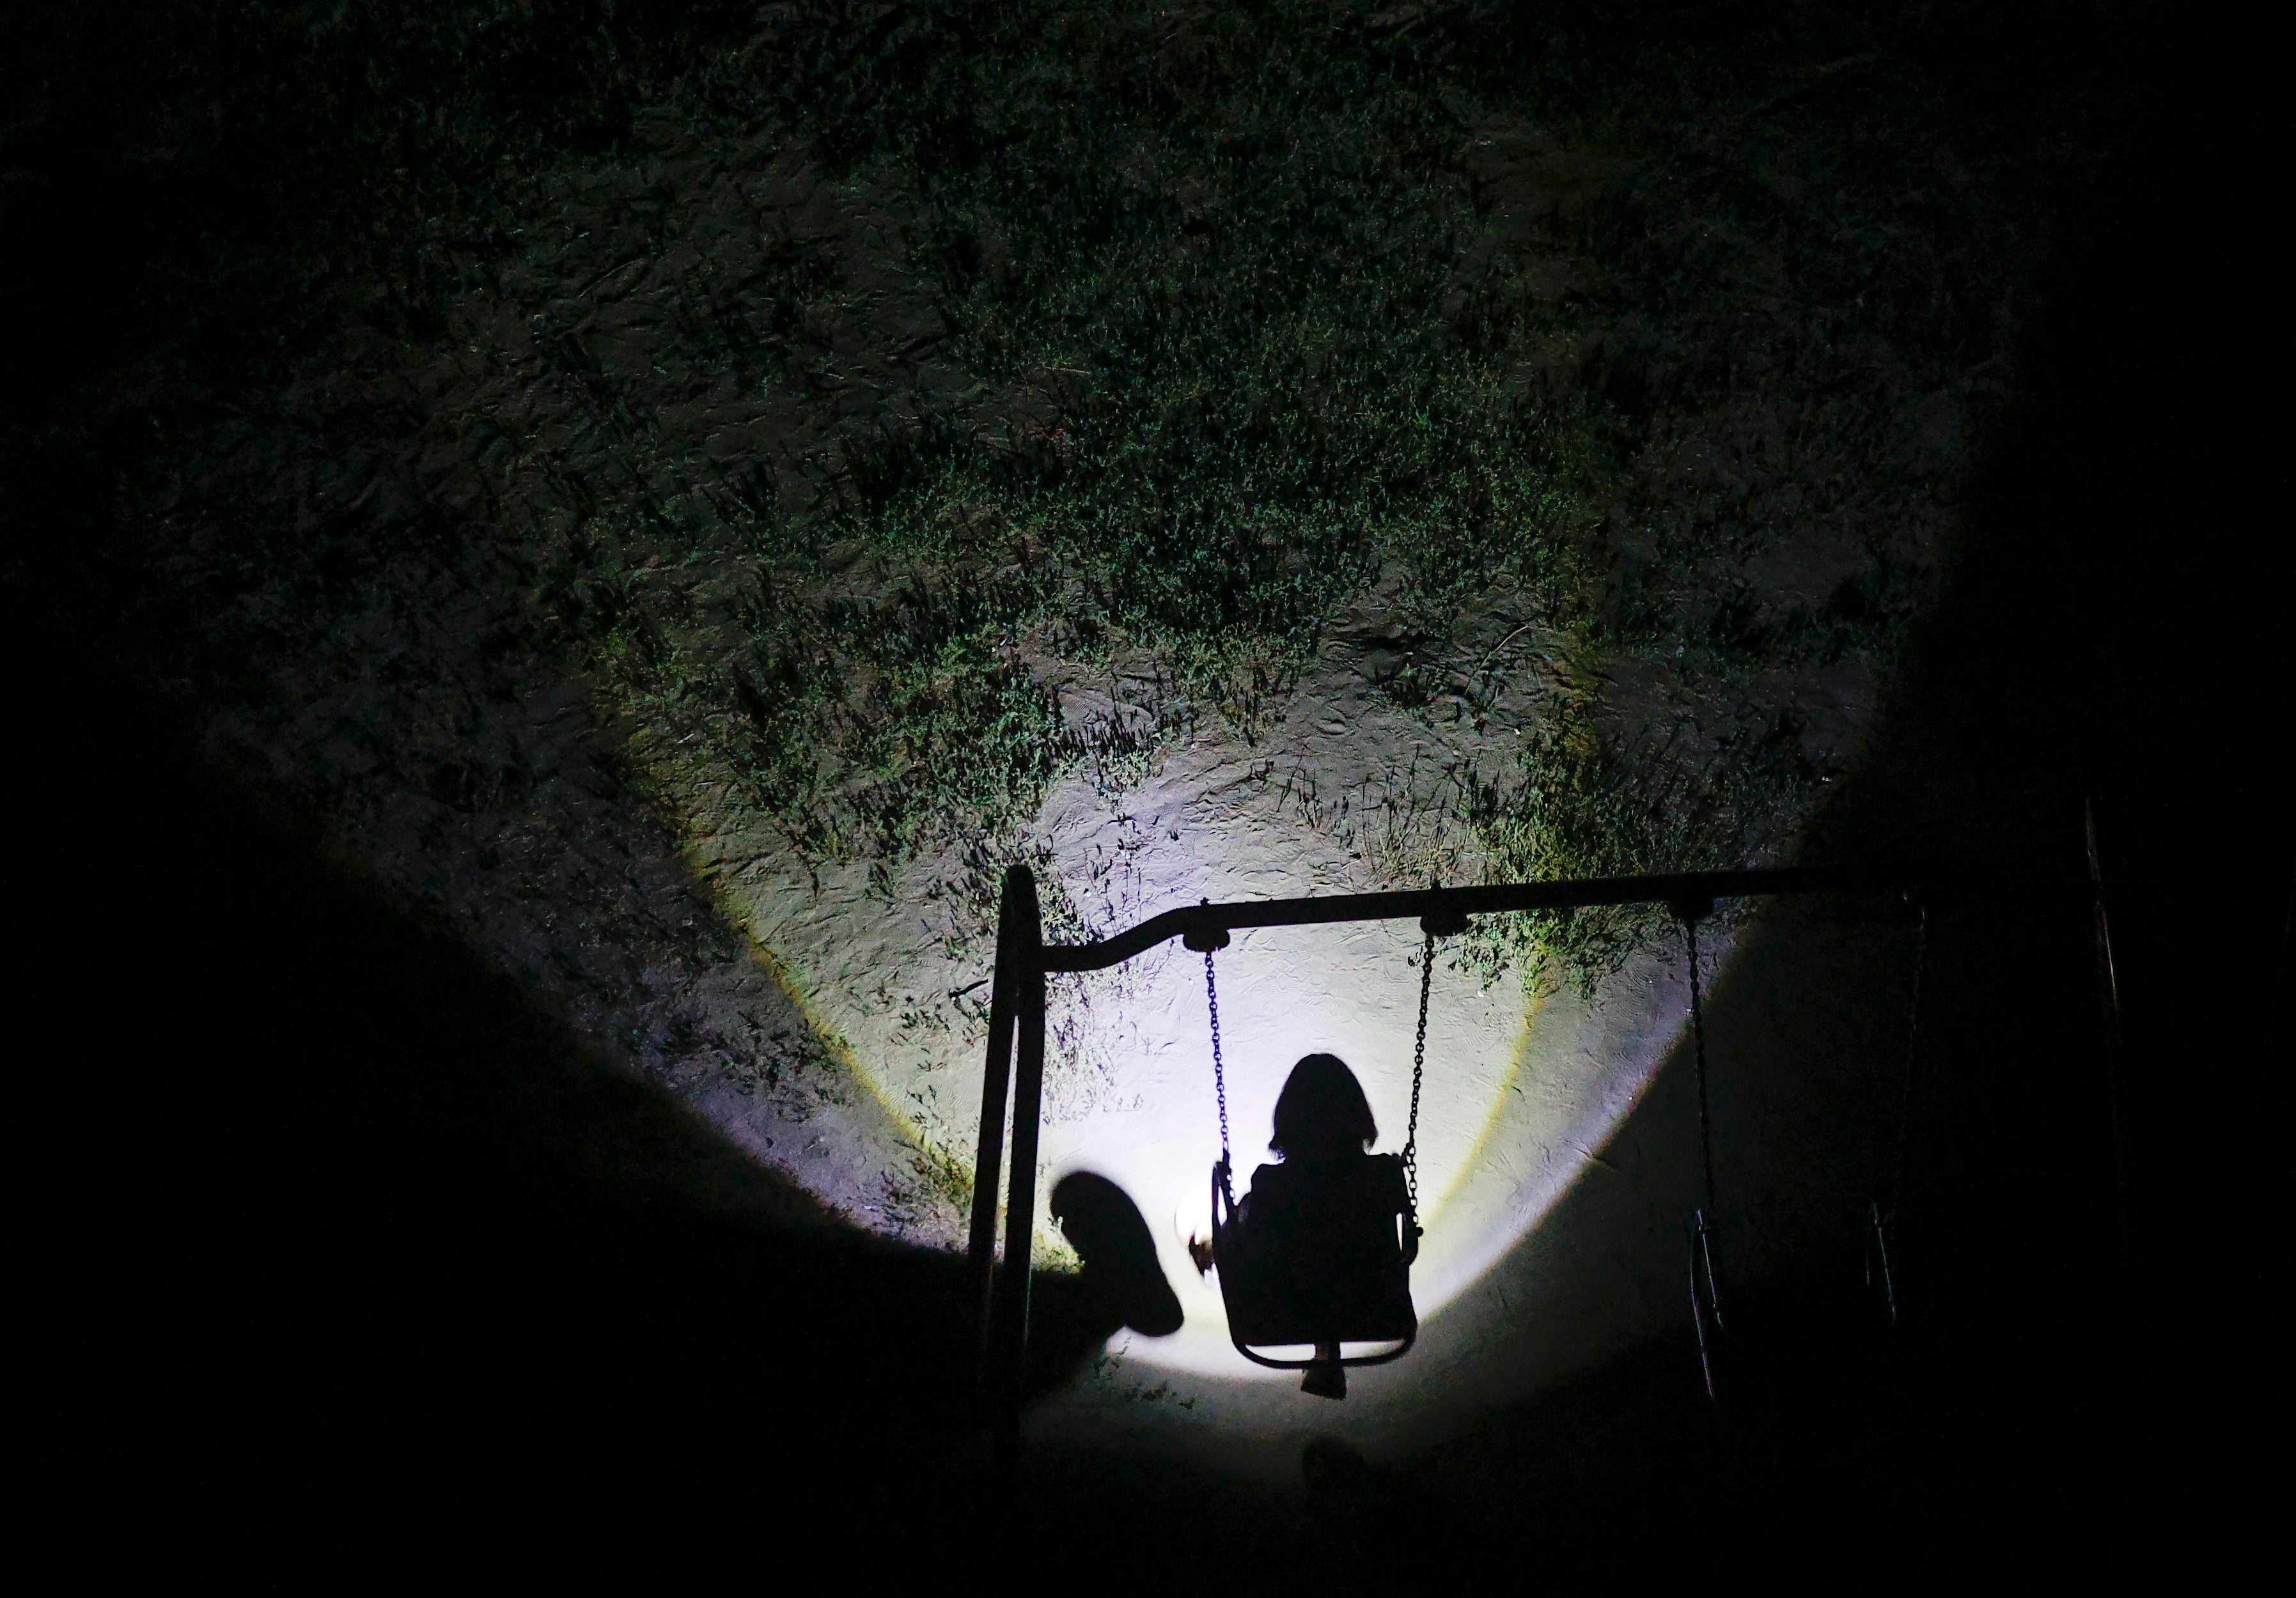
{"type": "Point", "coordinates": [1331, 1227]}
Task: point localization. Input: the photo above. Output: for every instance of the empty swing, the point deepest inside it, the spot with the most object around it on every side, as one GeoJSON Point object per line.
{"type": "Point", "coordinates": [1319, 1253]}
{"type": "Point", "coordinates": [1705, 1277]}
{"type": "Point", "coordinates": [1705, 1282]}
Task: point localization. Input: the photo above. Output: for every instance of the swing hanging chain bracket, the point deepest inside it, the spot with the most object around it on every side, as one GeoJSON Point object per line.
{"type": "Point", "coordinates": [1206, 937]}
{"type": "Point", "coordinates": [1445, 920]}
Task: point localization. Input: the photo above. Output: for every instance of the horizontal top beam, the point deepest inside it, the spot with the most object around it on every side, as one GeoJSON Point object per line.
{"type": "Point", "coordinates": [1695, 889]}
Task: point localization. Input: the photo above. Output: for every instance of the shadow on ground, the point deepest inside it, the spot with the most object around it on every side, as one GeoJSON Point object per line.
{"type": "Point", "coordinates": [357, 1255]}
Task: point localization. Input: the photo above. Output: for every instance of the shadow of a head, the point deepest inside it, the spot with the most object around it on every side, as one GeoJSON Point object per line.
{"type": "Point", "coordinates": [1120, 1270]}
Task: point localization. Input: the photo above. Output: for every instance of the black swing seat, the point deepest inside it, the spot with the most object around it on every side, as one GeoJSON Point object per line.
{"type": "Point", "coordinates": [1316, 1257]}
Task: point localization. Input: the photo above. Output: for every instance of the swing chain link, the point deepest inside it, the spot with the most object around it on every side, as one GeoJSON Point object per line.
{"type": "Point", "coordinates": [1219, 1070]}
{"type": "Point", "coordinates": [1705, 1285]}
{"type": "Point", "coordinates": [1418, 1072]}
{"type": "Point", "coordinates": [1698, 1041]}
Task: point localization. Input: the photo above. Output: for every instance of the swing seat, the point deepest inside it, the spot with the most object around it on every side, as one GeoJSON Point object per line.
{"type": "Point", "coordinates": [1341, 1274]}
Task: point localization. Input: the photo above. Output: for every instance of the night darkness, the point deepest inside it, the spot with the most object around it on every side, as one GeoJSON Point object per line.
{"type": "Point", "coordinates": [1861, 410]}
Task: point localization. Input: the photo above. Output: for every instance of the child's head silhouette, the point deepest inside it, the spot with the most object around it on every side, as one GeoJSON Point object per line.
{"type": "Point", "coordinates": [1321, 1112]}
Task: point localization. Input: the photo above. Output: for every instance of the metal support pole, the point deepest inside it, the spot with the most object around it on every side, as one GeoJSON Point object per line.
{"type": "Point", "coordinates": [2109, 996]}
{"type": "Point", "coordinates": [1009, 1352]}
{"type": "Point", "coordinates": [1453, 906]}
{"type": "Point", "coordinates": [996, 1085]}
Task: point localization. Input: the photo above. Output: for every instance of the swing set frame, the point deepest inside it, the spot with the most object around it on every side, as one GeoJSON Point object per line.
{"type": "Point", "coordinates": [1016, 1024]}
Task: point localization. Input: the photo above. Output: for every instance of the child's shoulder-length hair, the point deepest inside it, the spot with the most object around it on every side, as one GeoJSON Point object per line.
{"type": "Point", "coordinates": [1322, 1109]}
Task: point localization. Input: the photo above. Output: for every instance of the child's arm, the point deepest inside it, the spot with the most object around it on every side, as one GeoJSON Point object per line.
{"type": "Point", "coordinates": [1401, 1199]}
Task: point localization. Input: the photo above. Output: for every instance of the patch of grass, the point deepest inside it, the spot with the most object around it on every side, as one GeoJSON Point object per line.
{"type": "Point", "coordinates": [1231, 310]}
{"type": "Point", "coordinates": [1256, 326]}
{"type": "Point", "coordinates": [1592, 808]}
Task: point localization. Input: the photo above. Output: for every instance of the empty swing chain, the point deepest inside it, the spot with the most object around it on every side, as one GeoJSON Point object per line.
{"type": "Point", "coordinates": [1698, 1038]}
{"type": "Point", "coordinates": [1705, 1288]}
{"type": "Point", "coordinates": [1219, 1072]}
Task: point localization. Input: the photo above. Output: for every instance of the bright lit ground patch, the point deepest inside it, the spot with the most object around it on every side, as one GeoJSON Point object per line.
{"type": "Point", "coordinates": [1517, 1094]}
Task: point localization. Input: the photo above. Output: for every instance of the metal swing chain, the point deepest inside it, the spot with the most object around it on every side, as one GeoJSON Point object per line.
{"type": "Point", "coordinates": [1219, 1070]}
{"type": "Point", "coordinates": [1881, 1216]}
{"type": "Point", "coordinates": [1705, 1287]}
{"type": "Point", "coordinates": [1698, 1038]}
{"type": "Point", "coordinates": [1418, 1071]}
{"type": "Point", "coordinates": [1913, 1066]}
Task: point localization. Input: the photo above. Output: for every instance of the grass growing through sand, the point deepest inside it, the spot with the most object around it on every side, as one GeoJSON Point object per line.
{"type": "Point", "coordinates": [1247, 324]}
{"type": "Point", "coordinates": [1254, 408]}
{"type": "Point", "coordinates": [1254, 383]}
